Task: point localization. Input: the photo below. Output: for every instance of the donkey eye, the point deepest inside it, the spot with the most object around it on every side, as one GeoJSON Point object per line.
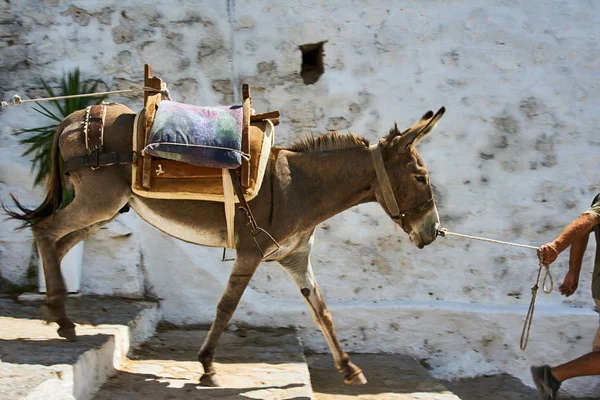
{"type": "Point", "coordinates": [421, 179]}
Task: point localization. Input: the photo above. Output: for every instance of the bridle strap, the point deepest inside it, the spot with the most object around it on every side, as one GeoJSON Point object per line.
{"type": "Point", "coordinates": [384, 181]}
{"type": "Point", "coordinates": [386, 187]}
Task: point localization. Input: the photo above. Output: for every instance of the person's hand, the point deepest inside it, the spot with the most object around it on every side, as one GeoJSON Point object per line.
{"type": "Point", "coordinates": [569, 285]}
{"type": "Point", "coordinates": [547, 253]}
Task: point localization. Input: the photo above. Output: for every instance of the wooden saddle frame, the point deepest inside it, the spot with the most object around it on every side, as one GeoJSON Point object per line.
{"type": "Point", "coordinates": [156, 177]}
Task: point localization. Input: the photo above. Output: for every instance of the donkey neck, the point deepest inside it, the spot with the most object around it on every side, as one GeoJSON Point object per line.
{"type": "Point", "coordinates": [326, 183]}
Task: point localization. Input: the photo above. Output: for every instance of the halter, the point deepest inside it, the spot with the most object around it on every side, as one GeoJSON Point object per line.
{"type": "Point", "coordinates": [386, 188]}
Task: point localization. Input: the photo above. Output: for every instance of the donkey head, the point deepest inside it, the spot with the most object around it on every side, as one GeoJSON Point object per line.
{"type": "Point", "coordinates": [408, 197]}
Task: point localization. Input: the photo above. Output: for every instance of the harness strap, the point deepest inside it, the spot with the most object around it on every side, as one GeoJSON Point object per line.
{"type": "Point", "coordinates": [235, 180]}
{"type": "Point", "coordinates": [384, 181]}
{"type": "Point", "coordinates": [97, 159]}
{"type": "Point", "coordinates": [254, 228]}
{"type": "Point", "coordinates": [93, 127]}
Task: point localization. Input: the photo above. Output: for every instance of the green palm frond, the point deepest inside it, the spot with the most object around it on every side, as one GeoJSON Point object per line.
{"type": "Point", "coordinates": [39, 139]}
{"type": "Point", "coordinates": [47, 113]}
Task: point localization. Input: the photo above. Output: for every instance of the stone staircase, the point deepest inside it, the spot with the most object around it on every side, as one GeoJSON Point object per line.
{"type": "Point", "coordinates": [253, 364]}
{"type": "Point", "coordinates": [121, 355]}
{"type": "Point", "coordinates": [37, 364]}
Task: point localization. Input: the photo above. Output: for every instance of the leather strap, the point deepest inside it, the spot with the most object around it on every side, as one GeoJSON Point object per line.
{"type": "Point", "coordinates": [96, 159]}
{"type": "Point", "coordinates": [254, 228]}
{"type": "Point", "coordinates": [94, 127]}
{"type": "Point", "coordinates": [384, 181]}
{"type": "Point", "coordinates": [387, 192]}
{"type": "Point", "coordinates": [235, 179]}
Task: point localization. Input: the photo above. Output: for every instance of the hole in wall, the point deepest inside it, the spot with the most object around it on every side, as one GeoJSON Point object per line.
{"type": "Point", "coordinates": [312, 62]}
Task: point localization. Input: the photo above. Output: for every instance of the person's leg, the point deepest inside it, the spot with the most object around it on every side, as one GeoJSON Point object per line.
{"type": "Point", "coordinates": [585, 365]}
{"type": "Point", "coordinates": [596, 343]}
{"type": "Point", "coordinates": [548, 379]}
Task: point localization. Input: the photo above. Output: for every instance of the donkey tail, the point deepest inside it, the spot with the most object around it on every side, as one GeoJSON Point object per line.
{"type": "Point", "coordinates": [54, 194]}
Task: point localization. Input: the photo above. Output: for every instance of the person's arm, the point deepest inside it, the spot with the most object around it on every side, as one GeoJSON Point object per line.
{"type": "Point", "coordinates": [579, 228]}
{"type": "Point", "coordinates": [571, 281]}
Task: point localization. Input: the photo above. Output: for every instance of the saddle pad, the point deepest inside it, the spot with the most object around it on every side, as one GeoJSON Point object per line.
{"type": "Point", "coordinates": [203, 136]}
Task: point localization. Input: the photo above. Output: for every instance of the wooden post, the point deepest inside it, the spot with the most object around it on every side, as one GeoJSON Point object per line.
{"type": "Point", "coordinates": [151, 103]}
{"type": "Point", "coordinates": [247, 106]}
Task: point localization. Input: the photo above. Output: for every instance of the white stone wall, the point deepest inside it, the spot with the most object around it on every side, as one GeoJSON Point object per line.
{"type": "Point", "coordinates": [515, 158]}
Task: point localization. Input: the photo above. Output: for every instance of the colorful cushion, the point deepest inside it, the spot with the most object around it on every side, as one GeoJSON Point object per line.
{"type": "Point", "coordinates": [205, 136]}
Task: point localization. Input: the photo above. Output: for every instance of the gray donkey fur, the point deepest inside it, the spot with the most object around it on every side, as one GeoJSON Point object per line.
{"type": "Point", "coordinates": [304, 185]}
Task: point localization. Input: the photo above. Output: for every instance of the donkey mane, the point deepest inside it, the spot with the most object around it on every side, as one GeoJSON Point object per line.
{"type": "Point", "coordinates": [328, 141]}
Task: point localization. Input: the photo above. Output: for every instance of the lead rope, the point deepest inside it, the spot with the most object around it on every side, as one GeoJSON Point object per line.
{"type": "Point", "coordinates": [17, 99]}
{"type": "Point", "coordinates": [529, 317]}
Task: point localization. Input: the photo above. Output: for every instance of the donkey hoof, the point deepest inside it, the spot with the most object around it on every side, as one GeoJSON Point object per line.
{"type": "Point", "coordinates": [356, 379]}
{"type": "Point", "coordinates": [209, 380]}
{"type": "Point", "coordinates": [68, 333]}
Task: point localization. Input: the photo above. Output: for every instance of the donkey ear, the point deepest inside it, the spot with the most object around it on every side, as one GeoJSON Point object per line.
{"type": "Point", "coordinates": [412, 135]}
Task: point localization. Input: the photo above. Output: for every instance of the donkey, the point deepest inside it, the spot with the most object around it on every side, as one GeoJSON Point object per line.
{"type": "Point", "coordinates": [305, 184]}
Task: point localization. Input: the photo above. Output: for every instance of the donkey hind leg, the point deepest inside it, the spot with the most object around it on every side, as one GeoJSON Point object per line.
{"type": "Point", "coordinates": [243, 269]}
{"type": "Point", "coordinates": [67, 242]}
{"type": "Point", "coordinates": [52, 312]}
{"type": "Point", "coordinates": [298, 266]}
{"type": "Point", "coordinates": [55, 235]}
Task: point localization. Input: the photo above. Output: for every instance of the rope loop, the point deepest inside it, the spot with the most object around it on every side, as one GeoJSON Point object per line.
{"type": "Point", "coordinates": [547, 275]}
{"type": "Point", "coordinates": [534, 289]}
{"type": "Point", "coordinates": [443, 232]}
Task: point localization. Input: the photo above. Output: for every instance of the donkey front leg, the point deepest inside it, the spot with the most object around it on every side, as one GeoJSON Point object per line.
{"type": "Point", "coordinates": [243, 269]}
{"type": "Point", "coordinates": [298, 266]}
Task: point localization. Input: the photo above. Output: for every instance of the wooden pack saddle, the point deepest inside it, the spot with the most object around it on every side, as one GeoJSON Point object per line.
{"type": "Point", "coordinates": [162, 178]}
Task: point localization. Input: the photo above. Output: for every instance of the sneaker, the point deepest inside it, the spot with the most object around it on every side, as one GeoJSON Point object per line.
{"type": "Point", "coordinates": [546, 384]}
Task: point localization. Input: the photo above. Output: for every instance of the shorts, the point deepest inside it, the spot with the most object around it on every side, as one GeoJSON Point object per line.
{"type": "Point", "coordinates": [596, 343]}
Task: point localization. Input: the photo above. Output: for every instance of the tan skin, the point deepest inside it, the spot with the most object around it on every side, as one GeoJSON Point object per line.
{"type": "Point", "coordinates": [576, 235]}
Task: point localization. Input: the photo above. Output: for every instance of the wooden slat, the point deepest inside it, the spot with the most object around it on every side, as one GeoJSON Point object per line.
{"type": "Point", "coordinates": [229, 204]}
{"type": "Point", "coordinates": [247, 105]}
{"type": "Point", "coordinates": [268, 115]}
{"type": "Point", "coordinates": [151, 103]}
{"type": "Point", "coordinates": [139, 145]}
{"type": "Point", "coordinates": [170, 169]}
{"type": "Point", "coordinates": [147, 75]}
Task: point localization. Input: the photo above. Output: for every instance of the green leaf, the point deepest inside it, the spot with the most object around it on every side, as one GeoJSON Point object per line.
{"type": "Point", "coordinates": [47, 113]}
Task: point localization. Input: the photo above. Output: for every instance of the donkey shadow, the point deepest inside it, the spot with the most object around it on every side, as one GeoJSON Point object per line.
{"type": "Point", "coordinates": [144, 386]}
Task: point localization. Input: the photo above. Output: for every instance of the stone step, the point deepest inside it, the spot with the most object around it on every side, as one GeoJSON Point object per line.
{"type": "Point", "coordinates": [252, 363]}
{"type": "Point", "coordinates": [35, 363]}
{"type": "Point", "coordinates": [401, 377]}
{"type": "Point", "coordinates": [256, 364]}
{"type": "Point", "coordinates": [262, 364]}
{"type": "Point", "coordinates": [389, 376]}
